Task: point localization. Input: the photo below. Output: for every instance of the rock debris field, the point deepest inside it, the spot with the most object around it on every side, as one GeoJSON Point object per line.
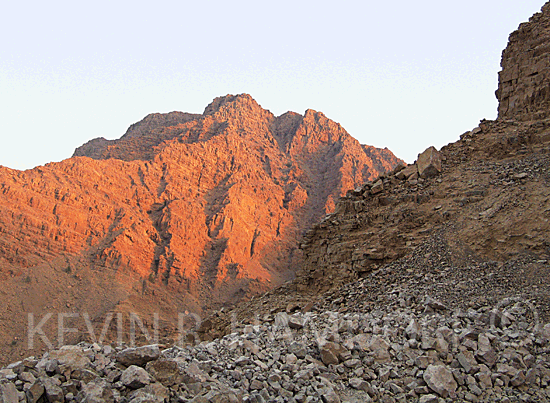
{"type": "Point", "coordinates": [409, 343]}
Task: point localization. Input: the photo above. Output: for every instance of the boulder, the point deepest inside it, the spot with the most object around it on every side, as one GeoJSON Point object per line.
{"type": "Point", "coordinates": [329, 353]}
{"type": "Point", "coordinates": [413, 330]}
{"type": "Point", "coordinates": [165, 372]}
{"type": "Point", "coordinates": [35, 392]}
{"type": "Point", "coordinates": [8, 393]}
{"type": "Point", "coordinates": [440, 379]}
{"type": "Point", "coordinates": [379, 348]}
{"type": "Point", "coordinates": [135, 377]}
{"type": "Point", "coordinates": [377, 187]}
{"type": "Point", "coordinates": [407, 172]}
{"type": "Point", "coordinates": [429, 163]}
{"type": "Point", "coordinates": [96, 392]}
{"type": "Point", "coordinates": [71, 356]}
{"type": "Point", "coordinates": [153, 393]}
{"type": "Point", "coordinates": [138, 355]}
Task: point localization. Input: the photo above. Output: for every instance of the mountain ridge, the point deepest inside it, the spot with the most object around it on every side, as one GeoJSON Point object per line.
{"type": "Point", "coordinates": [198, 211]}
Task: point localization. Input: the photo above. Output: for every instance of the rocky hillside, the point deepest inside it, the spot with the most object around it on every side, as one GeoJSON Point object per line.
{"type": "Point", "coordinates": [183, 212]}
{"type": "Point", "coordinates": [488, 192]}
{"type": "Point", "coordinates": [428, 284]}
{"type": "Point", "coordinates": [432, 268]}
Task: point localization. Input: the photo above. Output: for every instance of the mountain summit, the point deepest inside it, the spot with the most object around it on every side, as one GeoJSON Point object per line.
{"type": "Point", "coordinates": [184, 211]}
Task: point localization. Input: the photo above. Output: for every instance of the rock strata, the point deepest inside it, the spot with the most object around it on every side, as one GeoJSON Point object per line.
{"type": "Point", "coordinates": [524, 89]}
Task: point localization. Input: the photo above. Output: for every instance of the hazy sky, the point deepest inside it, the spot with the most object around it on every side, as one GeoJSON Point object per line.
{"type": "Point", "coordinates": [398, 74]}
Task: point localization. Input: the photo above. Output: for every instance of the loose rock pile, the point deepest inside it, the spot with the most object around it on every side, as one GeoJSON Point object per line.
{"type": "Point", "coordinates": [407, 350]}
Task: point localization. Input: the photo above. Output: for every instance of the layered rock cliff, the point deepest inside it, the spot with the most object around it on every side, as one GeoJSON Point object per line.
{"type": "Point", "coordinates": [524, 89]}
{"type": "Point", "coordinates": [182, 212]}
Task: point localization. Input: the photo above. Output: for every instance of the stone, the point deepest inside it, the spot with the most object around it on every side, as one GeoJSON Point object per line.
{"type": "Point", "coordinates": [35, 392]}
{"type": "Point", "coordinates": [328, 395]}
{"type": "Point", "coordinates": [298, 349]}
{"type": "Point", "coordinates": [377, 187]}
{"type": "Point", "coordinates": [407, 172]}
{"type": "Point", "coordinates": [51, 366]}
{"type": "Point", "coordinates": [428, 399]}
{"type": "Point", "coordinates": [413, 330]}
{"type": "Point", "coordinates": [96, 392]}
{"type": "Point", "coordinates": [8, 393]}
{"type": "Point", "coordinates": [153, 393]}
{"type": "Point", "coordinates": [359, 384]}
{"type": "Point", "coordinates": [84, 375]}
{"type": "Point", "coordinates": [281, 319]}
{"type": "Point", "coordinates": [440, 379]}
{"type": "Point", "coordinates": [329, 353]}
{"type": "Point", "coordinates": [519, 379]}
{"type": "Point", "coordinates": [165, 371]}
{"type": "Point", "coordinates": [197, 375]}
{"type": "Point", "coordinates": [379, 348]}
{"type": "Point", "coordinates": [467, 361]}
{"type": "Point", "coordinates": [27, 377]}
{"type": "Point", "coordinates": [8, 373]}
{"type": "Point", "coordinates": [53, 391]}
{"type": "Point", "coordinates": [434, 304]}
{"type": "Point", "coordinates": [295, 322]}
{"type": "Point", "coordinates": [487, 357]}
{"type": "Point", "coordinates": [224, 396]}
{"type": "Point", "coordinates": [71, 356]}
{"type": "Point", "coordinates": [252, 347]}
{"type": "Point", "coordinates": [292, 307]}
{"type": "Point", "coordinates": [484, 379]}
{"type": "Point", "coordinates": [135, 377]}
{"type": "Point", "coordinates": [423, 361]}
{"type": "Point", "coordinates": [256, 385]}
{"type": "Point", "coordinates": [429, 163]}
{"type": "Point", "coordinates": [138, 355]}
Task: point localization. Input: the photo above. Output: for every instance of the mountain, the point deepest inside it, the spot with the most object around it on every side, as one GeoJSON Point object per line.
{"type": "Point", "coordinates": [183, 212]}
{"type": "Point", "coordinates": [427, 284]}
{"type": "Point", "coordinates": [450, 244]}
{"type": "Point", "coordinates": [431, 282]}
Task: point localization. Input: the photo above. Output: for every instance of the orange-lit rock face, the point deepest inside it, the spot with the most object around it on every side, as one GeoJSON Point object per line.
{"type": "Point", "coordinates": [200, 204]}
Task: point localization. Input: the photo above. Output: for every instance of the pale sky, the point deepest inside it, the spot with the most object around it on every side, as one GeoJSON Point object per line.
{"type": "Point", "coordinates": [398, 74]}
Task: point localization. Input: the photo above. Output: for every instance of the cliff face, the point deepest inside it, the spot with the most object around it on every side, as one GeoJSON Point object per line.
{"type": "Point", "coordinates": [193, 210]}
{"type": "Point", "coordinates": [524, 82]}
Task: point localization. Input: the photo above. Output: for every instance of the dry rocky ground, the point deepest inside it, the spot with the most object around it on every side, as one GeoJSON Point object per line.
{"type": "Point", "coordinates": [429, 284]}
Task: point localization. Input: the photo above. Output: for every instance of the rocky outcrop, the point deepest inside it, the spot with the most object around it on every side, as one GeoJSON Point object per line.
{"type": "Point", "coordinates": [524, 82]}
{"type": "Point", "coordinates": [482, 189]}
{"type": "Point", "coordinates": [182, 212]}
{"type": "Point", "coordinates": [482, 198]}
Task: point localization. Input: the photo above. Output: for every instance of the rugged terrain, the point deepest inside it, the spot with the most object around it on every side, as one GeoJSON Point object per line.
{"type": "Point", "coordinates": [467, 226]}
{"type": "Point", "coordinates": [428, 284]}
{"type": "Point", "coordinates": [183, 212]}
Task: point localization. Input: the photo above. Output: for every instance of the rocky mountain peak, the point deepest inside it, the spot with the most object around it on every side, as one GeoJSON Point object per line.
{"type": "Point", "coordinates": [241, 105]}
{"type": "Point", "coordinates": [524, 82]}
{"type": "Point", "coordinates": [185, 212]}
